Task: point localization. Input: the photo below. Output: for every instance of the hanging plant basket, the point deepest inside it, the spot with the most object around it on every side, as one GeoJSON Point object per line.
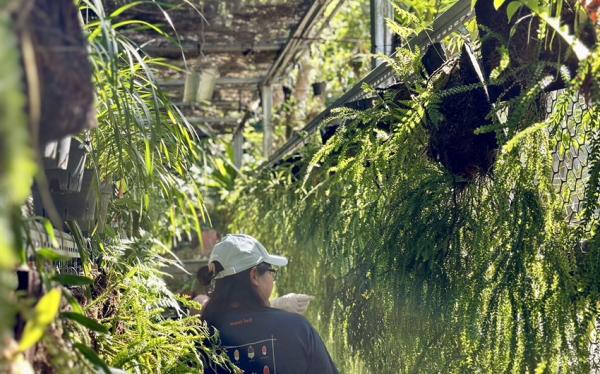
{"type": "Point", "coordinates": [295, 163]}
{"type": "Point", "coordinates": [319, 88]}
{"type": "Point", "coordinates": [328, 131]}
{"type": "Point", "coordinates": [453, 121]}
{"type": "Point", "coordinates": [62, 80]}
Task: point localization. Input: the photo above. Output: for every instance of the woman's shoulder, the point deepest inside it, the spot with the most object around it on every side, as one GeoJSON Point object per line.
{"type": "Point", "coordinates": [284, 314]}
{"type": "Point", "coordinates": [288, 319]}
{"type": "Point", "coordinates": [266, 316]}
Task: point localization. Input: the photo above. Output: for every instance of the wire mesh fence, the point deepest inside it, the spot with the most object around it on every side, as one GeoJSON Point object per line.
{"type": "Point", "coordinates": [570, 173]}
{"type": "Point", "coordinates": [595, 350]}
{"type": "Point", "coordinates": [570, 165]}
{"type": "Point", "coordinates": [61, 243]}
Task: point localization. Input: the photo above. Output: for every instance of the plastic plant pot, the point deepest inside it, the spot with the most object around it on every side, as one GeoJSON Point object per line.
{"type": "Point", "coordinates": [318, 88]}
{"type": "Point", "coordinates": [206, 84]}
{"type": "Point", "coordinates": [190, 87]}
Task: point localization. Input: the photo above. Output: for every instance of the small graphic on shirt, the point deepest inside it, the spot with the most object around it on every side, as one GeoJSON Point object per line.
{"type": "Point", "coordinates": [254, 358]}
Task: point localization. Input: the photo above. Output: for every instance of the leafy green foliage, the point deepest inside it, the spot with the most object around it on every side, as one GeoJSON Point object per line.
{"type": "Point", "coordinates": [85, 321]}
{"type": "Point", "coordinates": [142, 141]}
{"type": "Point", "coordinates": [149, 330]}
{"type": "Point", "coordinates": [16, 157]}
{"type": "Point", "coordinates": [43, 315]}
{"type": "Point", "coordinates": [414, 274]}
{"type": "Point", "coordinates": [92, 357]}
{"type": "Point", "coordinates": [122, 314]}
{"type": "Point", "coordinates": [341, 56]}
{"type": "Point", "coordinates": [16, 173]}
{"type": "Point", "coordinates": [72, 280]}
{"type": "Point", "coordinates": [146, 146]}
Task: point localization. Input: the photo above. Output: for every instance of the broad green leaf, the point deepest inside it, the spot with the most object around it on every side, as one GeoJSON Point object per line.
{"type": "Point", "coordinates": [580, 50]}
{"type": "Point", "coordinates": [85, 321]}
{"type": "Point", "coordinates": [512, 9]}
{"type": "Point", "coordinates": [75, 306]}
{"type": "Point", "coordinates": [72, 280]}
{"type": "Point", "coordinates": [124, 8]}
{"type": "Point", "coordinates": [43, 314]}
{"type": "Point", "coordinates": [148, 158]}
{"type": "Point", "coordinates": [498, 3]}
{"type": "Point", "coordinates": [50, 231]}
{"type": "Point", "coordinates": [49, 254]}
{"type": "Point", "coordinates": [122, 186]}
{"type": "Point", "coordinates": [17, 223]}
{"type": "Point", "coordinates": [16, 158]}
{"type": "Point", "coordinates": [92, 357]}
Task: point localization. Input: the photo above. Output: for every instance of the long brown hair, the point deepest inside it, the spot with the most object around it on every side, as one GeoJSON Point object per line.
{"type": "Point", "coordinates": [232, 290]}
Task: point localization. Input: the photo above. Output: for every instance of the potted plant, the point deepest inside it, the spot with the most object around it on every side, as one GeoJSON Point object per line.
{"type": "Point", "coordinates": [318, 88]}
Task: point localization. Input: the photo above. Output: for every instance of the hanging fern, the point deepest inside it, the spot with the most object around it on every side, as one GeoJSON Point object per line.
{"type": "Point", "coordinates": [414, 273]}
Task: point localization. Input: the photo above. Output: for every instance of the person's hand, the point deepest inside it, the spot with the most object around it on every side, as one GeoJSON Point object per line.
{"type": "Point", "coordinates": [201, 299]}
{"type": "Point", "coordinates": [292, 302]}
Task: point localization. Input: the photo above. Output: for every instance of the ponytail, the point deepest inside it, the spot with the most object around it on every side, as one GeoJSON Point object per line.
{"type": "Point", "coordinates": [206, 274]}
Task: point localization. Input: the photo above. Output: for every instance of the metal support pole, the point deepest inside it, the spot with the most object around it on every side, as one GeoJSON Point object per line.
{"type": "Point", "coordinates": [267, 103]}
{"type": "Point", "coordinates": [381, 35]}
{"type": "Point", "coordinates": [238, 151]}
{"type": "Point", "coordinates": [238, 141]}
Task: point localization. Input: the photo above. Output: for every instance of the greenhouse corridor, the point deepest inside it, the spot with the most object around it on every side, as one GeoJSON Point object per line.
{"type": "Point", "coordinates": [300, 186]}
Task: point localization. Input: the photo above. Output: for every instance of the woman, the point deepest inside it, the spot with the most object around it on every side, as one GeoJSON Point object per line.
{"type": "Point", "coordinates": [258, 338]}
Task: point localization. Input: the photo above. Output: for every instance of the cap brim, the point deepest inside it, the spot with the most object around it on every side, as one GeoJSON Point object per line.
{"type": "Point", "coordinates": [276, 260]}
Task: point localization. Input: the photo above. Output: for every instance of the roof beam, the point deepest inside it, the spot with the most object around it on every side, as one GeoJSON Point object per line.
{"type": "Point", "coordinates": [215, 121]}
{"type": "Point", "coordinates": [267, 104]}
{"type": "Point", "coordinates": [195, 49]}
{"type": "Point", "coordinates": [208, 127]}
{"type": "Point", "coordinates": [296, 40]}
{"type": "Point", "coordinates": [238, 141]}
{"type": "Point", "coordinates": [219, 105]}
{"type": "Point", "coordinates": [222, 81]}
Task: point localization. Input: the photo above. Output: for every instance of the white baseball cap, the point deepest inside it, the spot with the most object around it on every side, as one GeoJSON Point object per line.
{"type": "Point", "coordinates": [239, 252]}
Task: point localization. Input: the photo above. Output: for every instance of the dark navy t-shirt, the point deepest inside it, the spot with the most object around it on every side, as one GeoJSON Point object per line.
{"type": "Point", "coordinates": [272, 341]}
